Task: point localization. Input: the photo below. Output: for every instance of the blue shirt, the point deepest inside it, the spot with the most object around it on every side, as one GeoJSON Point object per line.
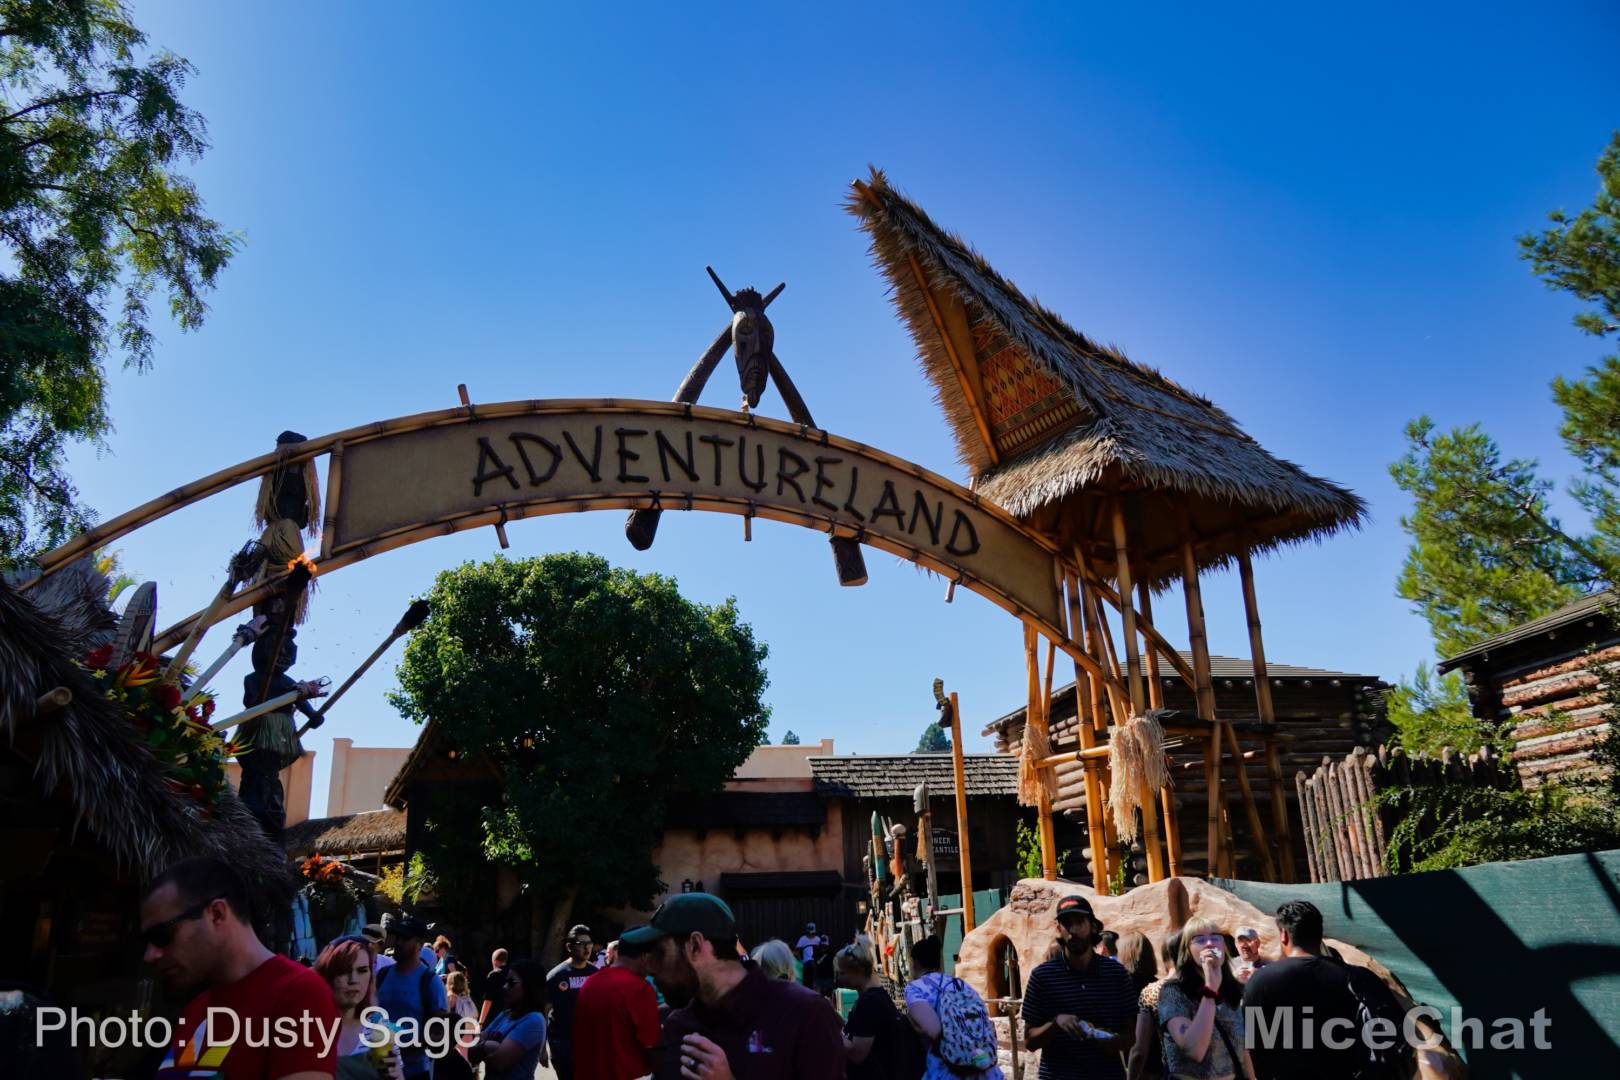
{"type": "Point", "coordinates": [529, 1032]}
{"type": "Point", "coordinates": [400, 995]}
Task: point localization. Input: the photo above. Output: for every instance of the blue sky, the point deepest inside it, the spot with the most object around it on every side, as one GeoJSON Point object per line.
{"type": "Point", "coordinates": [1307, 216]}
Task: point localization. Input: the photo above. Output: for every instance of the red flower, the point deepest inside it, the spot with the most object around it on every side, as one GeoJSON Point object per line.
{"type": "Point", "coordinates": [99, 658]}
{"type": "Point", "coordinates": [168, 695]}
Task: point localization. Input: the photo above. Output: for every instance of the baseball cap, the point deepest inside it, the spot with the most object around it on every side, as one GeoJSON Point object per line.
{"type": "Point", "coordinates": [373, 932]}
{"type": "Point", "coordinates": [409, 926]}
{"type": "Point", "coordinates": [682, 914]}
{"type": "Point", "coordinates": [1075, 905]}
{"type": "Point", "coordinates": [1245, 932]}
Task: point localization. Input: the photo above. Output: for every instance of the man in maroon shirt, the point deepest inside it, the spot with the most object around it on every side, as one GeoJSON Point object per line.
{"type": "Point", "coordinates": [731, 1020]}
{"type": "Point", "coordinates": [259, 1016]}
{"type": "Point", "coordinates": [616, 1018]}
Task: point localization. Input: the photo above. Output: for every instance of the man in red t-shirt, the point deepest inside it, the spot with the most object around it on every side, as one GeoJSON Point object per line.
{"type": "Point", "coordinates": [616, 1019]}
{"type": "Point", "coordinates": [259, 1016]}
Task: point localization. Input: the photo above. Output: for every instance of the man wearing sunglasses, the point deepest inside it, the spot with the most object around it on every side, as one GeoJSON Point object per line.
{"type": "Point", "coordinates": [258, 1016]}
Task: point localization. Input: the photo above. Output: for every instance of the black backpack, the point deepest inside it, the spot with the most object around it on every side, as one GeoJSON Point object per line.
{"type": "Point", "coordinates": [1374, 1001]}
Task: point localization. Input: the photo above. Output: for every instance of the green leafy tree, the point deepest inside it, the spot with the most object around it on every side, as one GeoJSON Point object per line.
{"type": "Point", "coordinates": [790, 739]}
{"type": "Point", "coordinates": [1430, 714]}
{"type": "Point", "coordinates": [1487, 553]}
{"type": "Point", "coordinates": [92, 131]}
{"type": "Point", "coordinates": [601, 694]}
{"type": "Point", "coordinates": [934, 740]}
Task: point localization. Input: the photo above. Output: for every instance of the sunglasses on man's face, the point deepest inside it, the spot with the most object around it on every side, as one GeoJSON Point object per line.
{"type": "Point", "coordinates": [161, 934]}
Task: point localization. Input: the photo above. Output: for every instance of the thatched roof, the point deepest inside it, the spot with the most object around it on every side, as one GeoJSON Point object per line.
{"type": "Point", "coordinates": [90, 755]}
{"type": "Point", "coordinates": [370, 832]}
{"type": "Point", "coordinates": [1047, 419]}
{"type": "Point", "coordinates": [897, 775]}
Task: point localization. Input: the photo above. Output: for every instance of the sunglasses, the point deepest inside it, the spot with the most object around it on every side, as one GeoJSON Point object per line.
{"type": "Point", "coordinates": [162, 934]}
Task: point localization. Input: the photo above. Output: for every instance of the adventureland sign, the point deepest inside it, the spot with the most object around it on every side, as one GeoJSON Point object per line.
{"type": "Point", "coordinates": [562, 456]}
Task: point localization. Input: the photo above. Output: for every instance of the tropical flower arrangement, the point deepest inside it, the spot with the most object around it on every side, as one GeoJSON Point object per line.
{"type": "Point", "coordinates": [176, 730]}
{"type": "Point", "coordinates": [332, 892]}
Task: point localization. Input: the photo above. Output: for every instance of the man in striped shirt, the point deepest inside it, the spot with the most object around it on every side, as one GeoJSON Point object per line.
{"type": "Point", "coordinates": [1079, 1007]}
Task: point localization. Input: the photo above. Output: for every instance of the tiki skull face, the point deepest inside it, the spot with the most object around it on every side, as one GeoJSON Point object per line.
{"type": "Point", "coordinates": [752, 339]}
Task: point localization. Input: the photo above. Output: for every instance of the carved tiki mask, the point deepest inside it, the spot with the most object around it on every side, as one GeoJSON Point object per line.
{"type": "Point", "coordinates": [752, 340]}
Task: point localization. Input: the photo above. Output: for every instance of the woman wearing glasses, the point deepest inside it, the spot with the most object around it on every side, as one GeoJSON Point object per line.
{"type": "Point", "coordinates": [345, 964]}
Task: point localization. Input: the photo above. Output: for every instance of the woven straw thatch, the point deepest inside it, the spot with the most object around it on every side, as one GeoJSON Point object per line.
{"type": "Point", "coordinates": [89, 754]}
{"type": "Point", "coordinates": [1071, 419]}
{"type": "Point", "coordinates": [370, 832]}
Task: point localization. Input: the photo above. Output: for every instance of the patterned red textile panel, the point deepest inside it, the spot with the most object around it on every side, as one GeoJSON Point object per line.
{"type": "Point", "coordinates": [1026, 406]}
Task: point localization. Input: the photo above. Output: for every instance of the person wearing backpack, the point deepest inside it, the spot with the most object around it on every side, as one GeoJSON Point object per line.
{"type": "Point", "coordinates": [952, 1019]}
{"type": "Point", "coordinates": [1297, 1005]}
{"type": "Point", "coordinates": [410, 993]}
{"type": "Point", "coordinates": [1080, 1008]}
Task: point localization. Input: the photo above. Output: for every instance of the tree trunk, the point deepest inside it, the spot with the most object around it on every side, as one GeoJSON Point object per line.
{"type": "Point", "coordinates": [561, 914]}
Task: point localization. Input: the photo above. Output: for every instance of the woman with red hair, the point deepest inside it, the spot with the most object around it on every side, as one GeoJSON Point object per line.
{"type": "Point", "coordinates": [345, 964]}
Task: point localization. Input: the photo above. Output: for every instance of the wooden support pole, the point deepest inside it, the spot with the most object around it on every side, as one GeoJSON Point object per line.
{"type": "Point", "coordinates": [965, 855]}
{"type": "Point", "coordinates": [1127, 610]}
{"type": "Point", "coordinates": [1155, 684]}
{"type": "Point", "coordinates": [1083, 704]}
{"type": "Point", "coordinates": [1268, 715]}
{"type": "Point", "coordinates": [1267, 868]}
{"type": "Point", "coordinates": [1035, 711]}
{"type": "Point", "coordinates": [52, 701]}
{"type": "Point", "coordinates": [1199, 645]}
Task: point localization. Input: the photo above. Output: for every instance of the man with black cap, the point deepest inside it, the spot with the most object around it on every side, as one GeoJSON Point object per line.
{"type": "Point", "coordinates": [730, 1020]}
{"type": "Point", "coordinates": [1079, 1007]}
{"type": "Point", "coordinates": [409, 990]}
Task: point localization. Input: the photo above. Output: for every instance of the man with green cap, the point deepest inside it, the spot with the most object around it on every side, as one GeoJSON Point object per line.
{"type": "Point", "coordinates": [730, 1020]}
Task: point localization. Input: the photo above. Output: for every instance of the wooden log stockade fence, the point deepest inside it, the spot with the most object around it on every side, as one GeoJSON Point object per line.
{"type": "Point", "coordinates": [1347, 830]}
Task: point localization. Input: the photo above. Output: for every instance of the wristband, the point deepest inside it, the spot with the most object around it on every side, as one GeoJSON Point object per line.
{"type": "Point", "coordinates": [1213, 995]}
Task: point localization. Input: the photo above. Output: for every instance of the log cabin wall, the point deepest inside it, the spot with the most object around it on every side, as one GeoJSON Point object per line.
{"type": "Point", "coordinates": [1320, 714]}
{"type": "Point", "coordinates": [1539, 679]}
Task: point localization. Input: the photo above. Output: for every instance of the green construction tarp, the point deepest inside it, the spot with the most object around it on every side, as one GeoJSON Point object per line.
{"type": "Point", "coordinates": [1496, 943]}
{"type": "Point", "coordinates": [986, 902]}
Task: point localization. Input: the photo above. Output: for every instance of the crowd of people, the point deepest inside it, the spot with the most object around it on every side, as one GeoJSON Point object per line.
{"type": "Point", "coordinates": [679, 998]}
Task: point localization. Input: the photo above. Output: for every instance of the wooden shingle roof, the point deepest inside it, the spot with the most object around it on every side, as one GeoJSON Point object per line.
{"type": "Point", "coordinates": [885, 776]}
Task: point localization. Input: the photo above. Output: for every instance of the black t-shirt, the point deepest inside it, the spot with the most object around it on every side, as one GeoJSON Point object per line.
{"type": "Point", "coordinates": [875, 1017]}
{"type": "Point", "coordinates": [562, 987]}
{"type": "Point", "coordinates": [1278, 1028]}
{"type": "Point", "coordinates": [494, 986]}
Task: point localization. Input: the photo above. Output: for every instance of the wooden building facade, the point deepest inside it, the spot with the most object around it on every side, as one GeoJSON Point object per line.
{"type": "Point", "coordinates": [1539, 679]}
{"type": "Point", "coordinates": [1319, 713]}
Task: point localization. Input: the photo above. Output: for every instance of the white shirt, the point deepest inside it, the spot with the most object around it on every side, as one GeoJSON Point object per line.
{"type": "Point", "coordinates": [807, 947]}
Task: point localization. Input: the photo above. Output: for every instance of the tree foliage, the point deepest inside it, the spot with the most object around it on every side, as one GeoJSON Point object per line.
{"type": "Point", "coordinates": [790, 739]}
{"type": "Point", "coordinates": [1581, 254]}
{"type": "Point", "coordinates": [934, 740]}
{"type": "Point", "coordinates": [91, 205]}
{"type": "Point", "coordinates": [1431, 714]}
{"type": "Point", "coordinates": [601, 694]}
{"type": "Point", "coordinates": [1487, 553]}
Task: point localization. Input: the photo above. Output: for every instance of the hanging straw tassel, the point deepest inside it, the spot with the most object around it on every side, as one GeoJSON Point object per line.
{"type": "Point", "coordinates": [1136, 762]}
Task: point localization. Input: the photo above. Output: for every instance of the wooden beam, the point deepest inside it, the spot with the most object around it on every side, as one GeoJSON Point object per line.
{"type": "Point", "coordinates": [1033, 713]}
{"type": "Point", "coordinates": [1267, 868]}
{"type": "Point", "coordinates": [963, 854]}
{"type": "Point", "coordinates": [334, 490]}
{"type": "Point", "coordinates": [1127, 611]}
{"type": "Point", "coordinates": [1083, 684]}
{"type": "Point", "coordinates": [1144, 624]}
{"type": "Point", "coordinates": [1268, 715]}
{"type": "Point", "coordinates": [1205, 690]}
{"type": "Point", "coordinates": [1155, 688]}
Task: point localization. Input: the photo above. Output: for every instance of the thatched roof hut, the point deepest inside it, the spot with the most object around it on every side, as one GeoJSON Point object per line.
{"type": "Point", "coordinates": [1049, 422]}
{"type": "Point", "coordinates": [367, 833]}
{"type": "Point", "coordinates": [90, 768]}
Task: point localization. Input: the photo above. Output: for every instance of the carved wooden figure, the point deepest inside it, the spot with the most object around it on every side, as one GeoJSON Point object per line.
{"type": "Point", "coordinates": [752, 339]}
